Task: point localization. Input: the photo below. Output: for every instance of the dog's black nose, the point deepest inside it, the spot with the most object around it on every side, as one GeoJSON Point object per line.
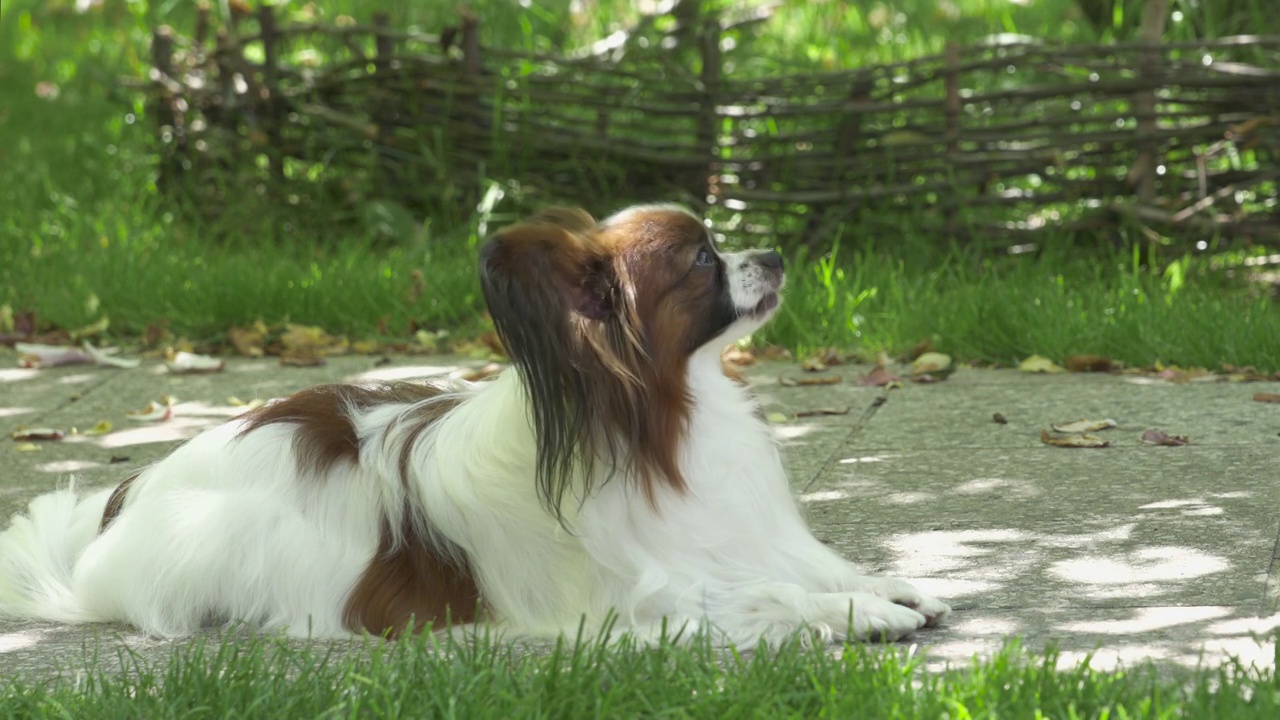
{"type": "Point", "coordinates": [771, 259]}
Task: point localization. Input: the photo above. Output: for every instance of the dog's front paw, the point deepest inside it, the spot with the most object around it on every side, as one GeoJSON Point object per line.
{"type": "Point", "coordinates": [879, 620]}
{"type": "Point", "coordinates": [905, 594]}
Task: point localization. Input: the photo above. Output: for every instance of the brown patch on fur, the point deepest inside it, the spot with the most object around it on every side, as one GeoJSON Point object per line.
{"type": "Point", "coordinates": [411, 582]}
{"type": "Point", "coordinates": [115, 503]}
{"type": "Point", "coordinates": [325, 435]}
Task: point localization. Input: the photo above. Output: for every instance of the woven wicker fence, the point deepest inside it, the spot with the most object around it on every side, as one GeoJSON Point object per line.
{"type": "Point", "coordinates": [990, 140]}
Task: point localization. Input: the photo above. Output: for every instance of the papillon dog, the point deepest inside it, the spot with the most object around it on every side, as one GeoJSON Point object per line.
{"type": "Point", "coordinates": [614, 476]}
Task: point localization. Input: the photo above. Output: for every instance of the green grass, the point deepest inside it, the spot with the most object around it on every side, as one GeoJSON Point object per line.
{"type": "Point", "coordinates": [268, 678]}
{"type": "Point", "coordinates": [84, 231]}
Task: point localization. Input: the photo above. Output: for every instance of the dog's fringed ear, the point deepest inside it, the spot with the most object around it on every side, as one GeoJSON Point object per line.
{"type": "Point", "coordinates": [542, 280]}
{"type": "Point", "coordinates": [550, 261]}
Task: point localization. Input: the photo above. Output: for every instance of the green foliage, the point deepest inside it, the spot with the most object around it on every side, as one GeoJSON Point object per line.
{"type": "Point", "coordinates": [484, 678]}
{"type": "Point", "coordinates": [83, 218]}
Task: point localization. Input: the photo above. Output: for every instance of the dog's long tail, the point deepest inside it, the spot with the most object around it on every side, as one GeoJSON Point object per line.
{"type": "Point", "coordinates": [38, 553]}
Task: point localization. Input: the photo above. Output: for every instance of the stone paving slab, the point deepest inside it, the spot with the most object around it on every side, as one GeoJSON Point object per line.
{"type": "Point", "coordinates": [1136, 551]}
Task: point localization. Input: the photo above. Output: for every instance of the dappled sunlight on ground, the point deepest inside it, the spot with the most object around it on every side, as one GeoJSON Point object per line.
{"type": "Point", "coordinates": [59, 467]}
{"type": "Point", "coordinates": [788, 433]}
{"type": "Point", "coordinates": [1127, 637]}
{"type": "Point", "coordinates": [17, 374]}
{"type": "Point", "coordinates": [1109, 567]}
{"type": "Point", "coordinates": [866, 459]}
{"type": "Point", "coordinates": [174, 430]}
{"type": "Point", "coordinates": [15, 411]}
{"type": "Point", "coordinates": [1145, 565]}
{"type": "Point", "coordinates": [1148, 619]}
{"type": "Point", "coordinates": [19, 640]}
{"type": "Point", "coordinates": [77, 379]}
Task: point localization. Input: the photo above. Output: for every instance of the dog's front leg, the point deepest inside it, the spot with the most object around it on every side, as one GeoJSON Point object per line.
{"type": "Point", "coordinates": [775, 611]}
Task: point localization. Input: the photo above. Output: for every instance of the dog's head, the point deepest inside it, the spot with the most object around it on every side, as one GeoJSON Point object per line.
{"type": "Point", "coordinates": [601, 319]}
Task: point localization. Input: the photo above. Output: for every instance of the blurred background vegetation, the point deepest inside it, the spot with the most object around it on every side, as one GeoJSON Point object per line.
{"type": "Point", "coordinates": [85, 233]}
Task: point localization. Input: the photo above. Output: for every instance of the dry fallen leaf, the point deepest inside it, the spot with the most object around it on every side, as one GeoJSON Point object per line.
{"type": "Point", "coordinates": [1088, 363]}
{"type": "Point", "coordinates": [932, 363]}
{"type": "Point", "coordinates": [310, 340]}
{"type": "Point", "coordinates": [774, 352]}
{"type": "Point", "coordinates": [301, 359]}
{"type": "Point", "coordinates": [27, 434]}
{"type": "Point", "coordinates": [36, 355]}
{"type": "Point", "coordinates": [999, 419]}
{"type": "Point", "coordinates": [822, 411]}
{"type": "Point", "coordinates": [1039, 364]}
{"type": "Point", "coordinates": [738, 356]}
{"type": "Point", "coordinates": [813, 363]}
{"type": "Point", "coordinates": [102, 428]}
{"type": "Point", "coordinates": [1084, 426]}
{"type": "Point", "coordinates": [1175, 374]}
{"type": "Point", "coordinates": [1267, 397]}
{"type": "Point", "coordinates": [245, 405]}
{"type": "Point", "coordinates": [106, 356]}
{"type": "Point", "coordinates": [92, 329]}
{"type": "Point", "coordinates": [154, 411]}
{"type": "Point", "coordinates": [250, 341]}
{"type": "Point", "coordinates": [1073, 441]}
{"type": "Point", "coordinates": [185, 362]}
{"type": "Point", "coordinates": [1158, 437]}
{"type": "Point", "coordinates": [879, 377]}
{"type": "Point", "coordinates": [803, 381]}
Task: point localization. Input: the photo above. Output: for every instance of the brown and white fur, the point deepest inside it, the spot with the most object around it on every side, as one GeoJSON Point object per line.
{"type": "Point", "coordinates": [615, 472]}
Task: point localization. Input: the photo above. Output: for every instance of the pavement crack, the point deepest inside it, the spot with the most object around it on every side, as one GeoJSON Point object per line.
{"type": "Point", "coordinates": [854, 431]}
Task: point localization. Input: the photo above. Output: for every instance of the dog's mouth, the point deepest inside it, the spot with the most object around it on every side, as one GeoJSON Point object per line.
{"type": "Point", "coordinates": [767, 305]}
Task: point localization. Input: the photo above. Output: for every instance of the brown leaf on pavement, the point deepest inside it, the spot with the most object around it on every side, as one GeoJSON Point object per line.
{"type": "Point", "coordinates": [250, 341]}
{"type": "Point", "coordinates": [43, 433]}
{"type": "Point", "coordinates": [774, 352]}
{"type": "Point", "coordinates": [937, 366]}
{"type": "Point", "coordinates": [999, 419]}
{"type": "Point", "coordinates": [1073, 441]}
{"type": "Point", "coordinates": [182, 362]}
{"type": "Point", "coordinates": [1158, 437]}
{"type": "Point", "coordinates": [1084, 426]}
{"type": "Point", "coordinates": [1267, 397]}
{"type": "Point", "coordinates": [1088, 363]}
{"type": "Point", "coordinates": [809, 381]}
{"type": "Point", "coordinates": [878, 377]}
{"type": "Point", "coordinates": [305, 340]}
{"type": "Point", "coordinates": [1039, 364]}
{"type": "Point", "coordinates": [290, 358]}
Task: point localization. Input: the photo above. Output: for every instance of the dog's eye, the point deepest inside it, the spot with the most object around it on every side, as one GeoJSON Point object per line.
{"type": "Point", "coordinates": [705, 257]}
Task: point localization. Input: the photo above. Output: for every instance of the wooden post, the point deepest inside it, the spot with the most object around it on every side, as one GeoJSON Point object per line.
{"type": "Point", "coordinates": [202, 23]}
{"type": "Point", "coordinates": [471, 62]}
{"type": "Point", "coordinates": [708, 119]}
{"type": "Point", "coordinates": [382, 44]}
{"type": "Point", "coordinates": [271, 108]}
{"type": "Point", "coordinates": [951, 84]}
{"type": "Point", "coordinates": [383, 121]}
{"type": "Point", "coordinates": [163, 106]}
{"type": "Point", "coordinates": [1143, 173]}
